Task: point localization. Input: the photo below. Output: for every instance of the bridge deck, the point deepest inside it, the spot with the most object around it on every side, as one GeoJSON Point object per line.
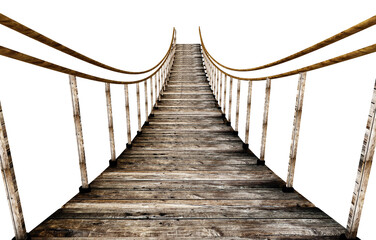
{"type": "Point", "coordinates": [187, 176]}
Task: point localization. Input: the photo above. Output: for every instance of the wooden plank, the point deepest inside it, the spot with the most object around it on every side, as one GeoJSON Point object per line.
{"type": "Point", "coordinates": [224, 93]}
{"type": "Point", "coordinates": [201, 228]}
{"type": "Point", "coordinates": [110, 121]}
{"type": "Point", "coordinates": [10, 183]}
{"type": "Point", "coordinates": [296, 129]}
{"type": "Point", "coordinates": [265, 119]}
{"type": "Point", "coordinates": [364, 169]}
{"type": "Point", "coordinates": [230, 101]}
{"type": "Point", "coordinates": [78, 127]}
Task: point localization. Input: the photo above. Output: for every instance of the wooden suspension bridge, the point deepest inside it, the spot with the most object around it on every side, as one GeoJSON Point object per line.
{"type": "Point", "coordinates": [187, 174]}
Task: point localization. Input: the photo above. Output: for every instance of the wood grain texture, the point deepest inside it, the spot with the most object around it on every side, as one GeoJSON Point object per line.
{"type": "Point", "coordinates": [296, 129]}
{"type": "Point", "coordinates": [364, 169]}
{"type": "Point", "coordinates": [146, 101]}
{"type": "Point", "coordinates": [127, 114]}
{"type": "Point", "coordinates": [237, 104]}
{"type": "Point", "coordinates": [110, 121]}
{"type": "Point", "coordinates": [265, 119]}
{"type": "Point", "coordinates": [138, 106]}
{"type": "Point", "coordinates": [10, 182]}
{"type": "Point", "coordinates": [78, 127]}
{"type": "Point", "coordinates": [187, 176]}
{"type": "Point", "coordinates": [230, 102]}
{"type": "Point", "coordinates": [248, 116]}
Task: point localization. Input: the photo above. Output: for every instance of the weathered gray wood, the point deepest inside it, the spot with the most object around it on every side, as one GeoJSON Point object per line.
{"type": "Point", "coordinates": [224, 93]}
{"type": "Point", "coordinates": [188, 176]}
{"type": "Point", "coordinates": [248, 116]}
{"type": "Point", "coordinates": [156, 78]}
{"type": "Point", "coordinates": [230, 101]}
{"type": "Point", "coordinates": [110, 121]}
{"type": "Point", "coordinates": [265, 119]}
{"type": "Point", "coordinates": [10, 182]}
{"type": "Point", "coordinates": [237, 105]}
{"type": "Point", "coordinates": [364, 169]}
{"type": "Point", "coordinates": [127, 114]}
{"type": "Point", "coordinates": [296, 129]}
{"type": "Point", "coordinates": [78, 127]}
{"type": "Point", "coordinates": [151, 94]}
{"type": "Point", "coordinates": [220, 89]}
{"type": "Point", "coordinates": [146, 101]}
{"type": "Point", "coordinates": [138, 106]}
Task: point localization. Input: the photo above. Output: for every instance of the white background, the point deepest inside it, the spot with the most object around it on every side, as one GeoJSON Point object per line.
{"type": "Point", "coordinates": [134, 35]}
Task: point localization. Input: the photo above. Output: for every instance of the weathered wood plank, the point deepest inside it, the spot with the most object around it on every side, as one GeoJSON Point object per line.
{"type": "Point", "coordinates": [110, 121]}
{"type": "Point", "coordinates": [265, 119]}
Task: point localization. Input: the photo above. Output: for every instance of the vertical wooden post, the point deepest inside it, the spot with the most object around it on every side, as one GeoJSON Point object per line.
{"type": "Point", "coordinates": [156, 89]}
{"type": "Point", "coordinates": [246, 145]}
{"type": "Point", "coordinates": [80, 139]}
{"type": "Point", "coordinates": [128, 116]}
{"type": "Point", "coordinates": [151, 94]}
{"type": "Point", "coordinates": [237, 106]}
{"type": "Point", "coordinates": [265, 121]}
{"type": "Point", "coordinates": [138, 107]}
{"type": "Point", "coordinates": [220, 95]}
{"type": "Point", "coordinates": [364, 169]}
{"type": "Point", "coordinates": [230, 103]}
{"type": "Point", "coordinates": [146, 102]}
{"type": "Point", "coordinates": [224, 94]}
{"type": "Point", "coordinates": [10, 182]}
{"type": "Point", "coordinates": [215, 83]}
{"type": "Point", "coordinates": [295, 132]}
{"type": "Point", "coordinates": [110, 124]}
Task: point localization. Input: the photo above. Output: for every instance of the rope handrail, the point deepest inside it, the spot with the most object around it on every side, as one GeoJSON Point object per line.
{"type": "Point", "coordinates": [335, 38]}
{"type": "Point", "coordinates": [7, 52]}
{"type": "Point", "coordinates": [347, 56]}
{"type": "Point", "coordinates": [18, 27]}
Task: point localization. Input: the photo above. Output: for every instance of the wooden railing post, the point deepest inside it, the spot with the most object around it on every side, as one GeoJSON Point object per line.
{"type": "Point", "coordinates": [220, 90]}
{"type": "Point", "coordinates": [215, 84]}
{"type": "Point", "coordinates": [265, 122]}
{"type": "Point", "coordinates": [364, 169]}
{"type": "Point", "coordinates": [138, 108]}
{"type": "Point", "coordinates": [10, 183]}
{"type": "Point", "coordinates": [295, 133]}
{"type": "Point", "coordinates": [237, 106]}
{"type": "Point", "coordinates": [246, 144]}
{"type": "Point", "coordinates": [80, 139]}
{"type": "Point", "coordinates": [224, 95]}
{"type": "Point", "coordinates": [151, 94]}
{"type": "Point", "coordinates": [156, 80]}
{"type": "Point", "coordinates": [110, 125]}
{"type": "Point", "coordinates": [146, 102]}
{"type": "Point", "coordinates": [230, 103]}
{"type": "Point", "coordinates": [128, 116]}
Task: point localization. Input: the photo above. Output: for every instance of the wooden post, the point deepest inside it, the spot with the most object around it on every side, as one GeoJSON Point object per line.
{"type": "Point", "coordinates": [364, 169]}
{"type": "Point", "coordinates": [146, 103]}
{"type": "Point", "coordinates": [224, 94]}
{"type": "Point", "coordinates": [10, 182]}
{"type": "Point", "coordinates": [265, 121]}
{"type": "Point", "coordinates": [110, 124]}
{"type": "Point", "coordinates": [246, 145]}
{"type": "Point", "coordinates": [237, 106]}
{"type": "Point", "coordinates": [128, 116]}
{"type": "Point", "coordinates": [151, 93]}
{"type": "Point", "coordinates": [215, 83]}
{"type": "Point", "coordinates": [295, 132]}
{"type": "Point", "coordinates": [80, 139]}
{"type": "Point", "coordinates": [138, 107]}
{"type": "Point", "coordinates": [220, 95]}
{"type": "Point", "coordinates": [230, 103]}
{"type": "Point", "coordinates": [156, 89]}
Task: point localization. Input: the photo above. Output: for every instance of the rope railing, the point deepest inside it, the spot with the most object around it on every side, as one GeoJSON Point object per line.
{"type": "Point", "coordinates": [335, 38]}
{"type": "Point", "coordinates": [18, 27]}
{"type": "Point", "coordinates": [157, 79]}
{"type": "Point", "coordinates": [218, 78]}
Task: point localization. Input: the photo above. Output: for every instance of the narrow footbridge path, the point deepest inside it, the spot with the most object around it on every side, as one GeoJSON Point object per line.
{"type": "Point", "coordinates": [188, 176]}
